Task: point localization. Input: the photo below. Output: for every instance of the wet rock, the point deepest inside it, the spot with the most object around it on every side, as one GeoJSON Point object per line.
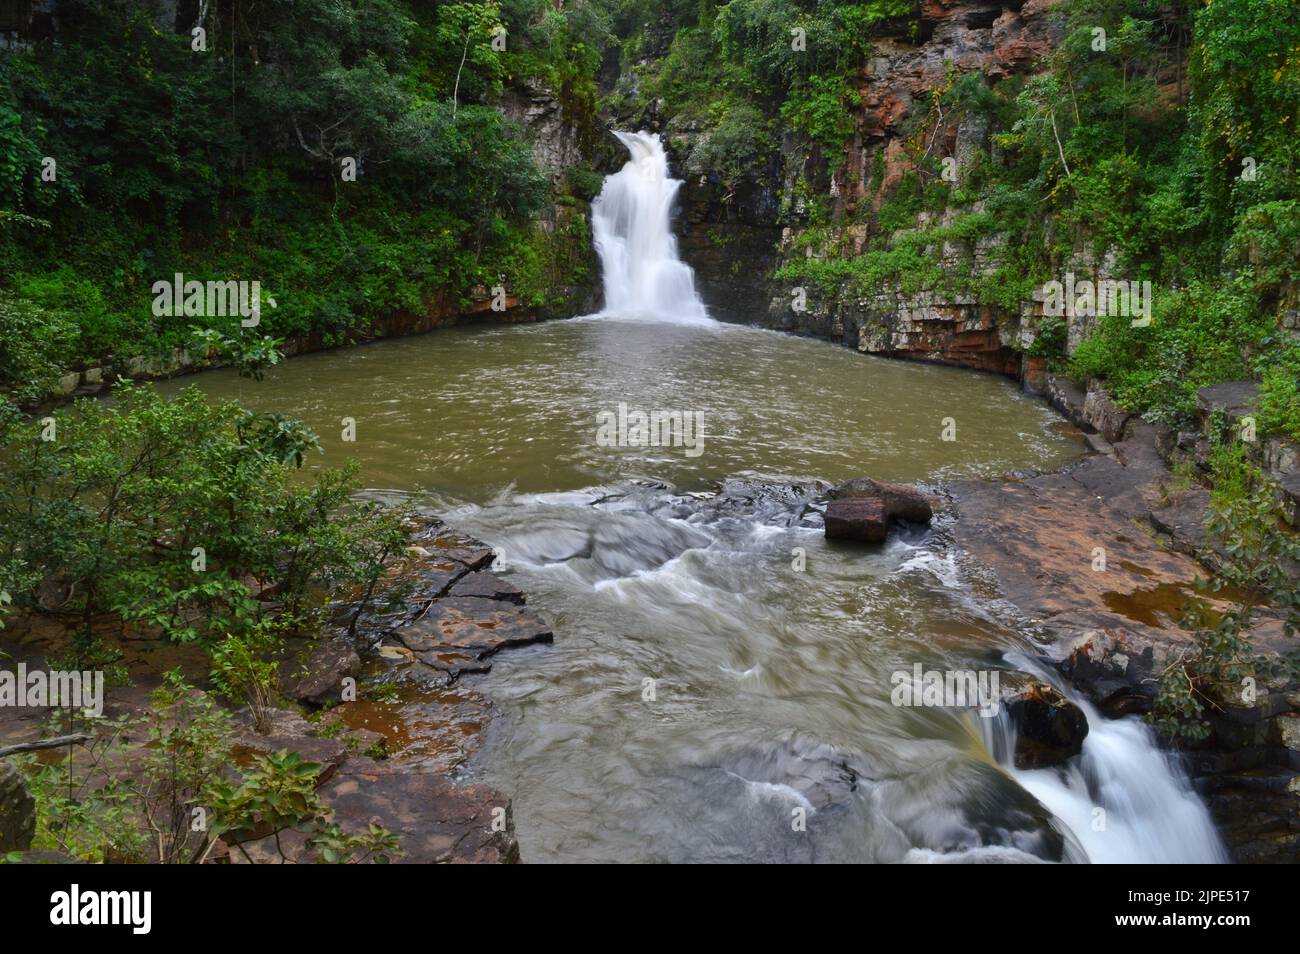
{"type": "Point", "coordinates": [464, 550]}
{"type": "Point", "coordinates": [315, 676]}
{"type": "Point", "coordinates": [902, 501]}
{"type": "Point", "coordinates": [436, 821]}
{"type": "Point", "coordinates": [473, 627]}
{"type": "Point", "coordinates": [775, 501]}
{"type": "Point", "coordinates": [1049, 728]}
{"type": "Point", "coordinates": [17, 809]}
{"type": "Point", "coordinates": [1068, 398]}
{"type": "Point", "coordinates": [857, 518]}
{"type": "Point", "coordinates": [436, 578]}
{"type": "Point", "coordinates": [455, 663]}
{"type": "Point", "coordinates": [488, 586]}
{"type": "Point", "coordinates": [367, 742]}
{"type": "Point", "coordinates": [1115, 676]}
{"type": "Point", "coordinates": [821, 774]}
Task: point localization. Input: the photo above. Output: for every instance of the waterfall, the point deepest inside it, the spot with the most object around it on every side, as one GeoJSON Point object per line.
{"type": "Point", "coordinates": [631, 222]}
{"type": "Point", "coordinates": [1149, 811]}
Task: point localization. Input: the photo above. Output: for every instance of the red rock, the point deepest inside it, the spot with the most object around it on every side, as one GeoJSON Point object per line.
{"type": "Point", "coordinates": [856, 518]}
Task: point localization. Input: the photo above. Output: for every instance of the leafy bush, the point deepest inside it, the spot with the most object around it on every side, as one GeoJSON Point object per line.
{"type": "Point", "coordinates": [168, 513]}
{"type": "Point", "coordinates": [36, 348]}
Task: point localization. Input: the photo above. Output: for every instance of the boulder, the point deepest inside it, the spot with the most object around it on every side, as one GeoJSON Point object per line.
{"type": "Point", "coordinates": [1117, 677]}
{"type": "Point", "coordinates": [316, 675]}
{"type": "Point", "coordinates": [1049, 727]}
{"type": "Point", "coordinates": [902, 501]}
{"type": "Point", "coordinates": [1105, 415]}
{"type": "Point", "coordinates": [857, 518]}
{"type": "Point", "coordinates": [17, 810]}
{"type": "Point", "coordinates": [1235, 399]}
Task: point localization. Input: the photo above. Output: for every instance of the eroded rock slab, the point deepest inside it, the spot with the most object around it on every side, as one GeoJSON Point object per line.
{"type": "Point", "coordinates": [473, 627]}
{"type": "Point", "coordinates": [901, 501]}
{"type": "Point", "coordinates": [315, 675]}
{"type": "Point", "coordinates": [437, 822]}
{"type": "Point", "coordinates": [1050, 729]}
{"type": "Point", "coordinates": [488, 586]}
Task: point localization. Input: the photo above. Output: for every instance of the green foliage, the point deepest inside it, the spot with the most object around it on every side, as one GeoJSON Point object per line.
{"type": "Point", "coordinates": [164, 511]}
{"type": "Point", "coordinates": [733, 148]}
{"type": "Point", "coordinates": [1259, 553]}
{"type": "Point", "coordinates": [132, 796]}
{"type": "Point", "coordinates": [277, 794]}
{"type": "Point", "coordinates": [242, 672]}
{"type": "Point", "coordinates": [1093, 161]}
{"type": "Point", "coordinates": [155, 788]}
{"type": "Point", "coordinates": [1050, 341]}
{"type": "Point", "coordinates": [251, 356]}
{"type": "Point", "coordinates": [36, 347]}
{"type": "Point", "coordinates": [1279, 393]}
{"type": "Point", "coordinates": [229, 164]}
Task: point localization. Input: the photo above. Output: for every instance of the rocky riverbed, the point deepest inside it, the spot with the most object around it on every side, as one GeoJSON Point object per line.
{"type": "Point", "coordinates": [383, 714]}
{"type": "Point", "coordinates": [1098, 556]}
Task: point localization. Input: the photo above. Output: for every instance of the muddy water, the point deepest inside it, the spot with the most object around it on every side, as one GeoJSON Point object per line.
{"type": "Point", "coordinates": [717, 671]}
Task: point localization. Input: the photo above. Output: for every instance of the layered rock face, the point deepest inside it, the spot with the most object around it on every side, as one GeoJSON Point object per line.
{"type": "Point", "coordinates": [735, 239]}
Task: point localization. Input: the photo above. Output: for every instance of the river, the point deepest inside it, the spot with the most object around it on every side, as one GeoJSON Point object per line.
{"type": "Point", "coordinates": [719, 672]}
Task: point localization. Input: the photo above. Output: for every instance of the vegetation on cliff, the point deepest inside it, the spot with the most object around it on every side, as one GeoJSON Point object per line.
{"type": "Point", "coordinates": [1153, 142]}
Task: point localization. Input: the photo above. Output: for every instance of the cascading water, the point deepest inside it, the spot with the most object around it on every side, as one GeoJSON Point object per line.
{"type": "Point", "coordinates": [631, 222]}
{"type": "Point", "coordinates": [1122, 799]}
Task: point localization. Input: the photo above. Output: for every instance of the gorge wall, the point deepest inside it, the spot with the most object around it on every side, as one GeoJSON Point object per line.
{"type": "Point", "coordinates": [736, 238]}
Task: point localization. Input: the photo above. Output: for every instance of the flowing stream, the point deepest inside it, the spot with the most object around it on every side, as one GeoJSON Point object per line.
{"type": "Point", "coordinates": [719, 668]}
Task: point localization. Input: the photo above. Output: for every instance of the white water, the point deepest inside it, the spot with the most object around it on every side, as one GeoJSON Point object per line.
{"type": "Point", "coordinates": [1122, 799]}
{"type": "Point", "coordinates": [631, 222]}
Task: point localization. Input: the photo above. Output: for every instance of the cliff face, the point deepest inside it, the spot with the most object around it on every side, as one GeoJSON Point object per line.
{"type": "Point", "coordinates": [736, 239]}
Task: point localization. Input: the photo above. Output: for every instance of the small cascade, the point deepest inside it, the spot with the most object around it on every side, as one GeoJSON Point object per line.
{"type": "Point", "coordinates": [1122, 800]}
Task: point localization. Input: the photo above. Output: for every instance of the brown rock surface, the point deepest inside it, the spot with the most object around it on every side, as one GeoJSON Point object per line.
{"type": "Point", "coordinates": [473, 627]}
{"type": "Point", "coordinates": [857, 518]}
{"type": "Point", "coordinates": [438, 822]}
{"type": "Point", "coordinates": [315, 674]}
